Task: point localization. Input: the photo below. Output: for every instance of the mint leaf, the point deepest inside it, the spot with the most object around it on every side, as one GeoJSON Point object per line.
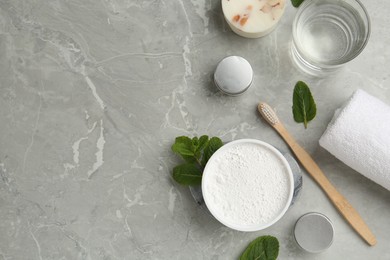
{"type": "Point", "coordinates": [183, 146]}
{"type": "Point", "coordinates": [262, 248]}
{"type": "Point", "coordinates": [203, 140]}
{"type": "Point", "coordinates": [187, 174]}
{"type": "Point", "coordinates": [304, 108]}
{"type": "Point", "coordinates": [211, 147]}
{"type": "Point", "coordinates": [296, 3]}
{"type": "Point", "coordinates": [195, 142]}
{"type": "Point", "coordinates": [189, 158]}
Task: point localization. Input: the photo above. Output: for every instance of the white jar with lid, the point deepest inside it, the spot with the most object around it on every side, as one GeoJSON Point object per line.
{"type": "Point", "coordinates": [314, 232]}
{"type": "Point", "coordinates": [233, 75]}
{"type": "Point", "coordinates": [253, 18]}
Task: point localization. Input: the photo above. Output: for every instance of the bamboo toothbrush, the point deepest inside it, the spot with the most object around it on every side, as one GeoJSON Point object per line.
{"type": "Point", "coordinates": [341, 203]}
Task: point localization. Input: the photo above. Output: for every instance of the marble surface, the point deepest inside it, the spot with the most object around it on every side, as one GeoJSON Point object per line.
{"type": "Point", "coordinates": [92, 95]}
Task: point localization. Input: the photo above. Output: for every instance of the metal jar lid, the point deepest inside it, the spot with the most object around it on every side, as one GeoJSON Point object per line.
{"type": "Point", "coordinates": [314, 232]}
{"type": "Point", "coordinates": [233, 75]}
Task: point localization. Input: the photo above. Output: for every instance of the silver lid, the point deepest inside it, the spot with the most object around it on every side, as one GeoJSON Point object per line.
{"type": "Point", "coordinates": [314, 232]}
{"type": "Point", "coordinates": [233, 75]}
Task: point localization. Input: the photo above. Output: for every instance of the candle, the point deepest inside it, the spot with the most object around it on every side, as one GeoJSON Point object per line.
{"type": "Point", "coordinates": [252, 18]}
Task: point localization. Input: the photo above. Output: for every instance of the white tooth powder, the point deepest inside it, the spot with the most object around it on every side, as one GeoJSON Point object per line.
{"type": "Point", "coordinates": [247, 184]}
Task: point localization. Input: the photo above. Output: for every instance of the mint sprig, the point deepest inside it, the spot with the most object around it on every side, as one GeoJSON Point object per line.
{"type": "Point", "coordinates": [304, 108]}
{"type": "Point", "coordinates": [262, 248]}
{"type": "Point", "coordinates": [195, 152]}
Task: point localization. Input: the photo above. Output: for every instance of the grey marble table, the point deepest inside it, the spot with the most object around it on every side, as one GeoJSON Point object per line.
{"type": "Point", "coordinates": [92, 95]}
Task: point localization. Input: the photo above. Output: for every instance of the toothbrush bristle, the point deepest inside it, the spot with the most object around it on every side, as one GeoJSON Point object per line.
{"type": "Point", "coordinates": [268, 114]}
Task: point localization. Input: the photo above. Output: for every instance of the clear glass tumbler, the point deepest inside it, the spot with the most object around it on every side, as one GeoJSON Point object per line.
{"type": "Point", "coordinates": [328, 34]}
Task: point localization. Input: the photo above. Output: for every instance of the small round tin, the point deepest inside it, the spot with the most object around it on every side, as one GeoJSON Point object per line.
{"type": "Point", "coordinates": [314, 232]}
{"type": "Point", "coordinates": [233, 75]}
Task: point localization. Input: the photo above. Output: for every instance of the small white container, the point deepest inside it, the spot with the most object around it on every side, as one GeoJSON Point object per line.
{"type": "Point", "coordinates": [214, 208]}
{"type": "Point", "coordinates": [253, 19]}
{"type": "Point", "coordinates": [233, 75]}
{"type": "Point", "coordinates": [314, 232]}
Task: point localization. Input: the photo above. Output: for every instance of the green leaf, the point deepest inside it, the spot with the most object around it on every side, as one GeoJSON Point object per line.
{"type": "Point", "coordinates": [187, 174]}
{"type": "Point", "coordinates": [211, 147]}
{"type": "Point", "coordinates": [304, 108]}
{"type": "Point", "coordinates": [296, 3]}
{"type": "Point", "coordinates": [189, 158]}
{"type": "Point", "coordinates": [199, 145]}
{"type": "Point", "coordinates": [195, 142]}
{"type": "Point", "coordinates": [184, 147]}
{"type": "Point", "coordinates": [203, 140]}
{"type": "Point", "coordinates": [262, 248]}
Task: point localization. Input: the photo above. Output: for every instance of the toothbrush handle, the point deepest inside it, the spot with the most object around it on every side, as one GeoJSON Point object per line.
{"type": "Point", "coordinates": [341, 203]}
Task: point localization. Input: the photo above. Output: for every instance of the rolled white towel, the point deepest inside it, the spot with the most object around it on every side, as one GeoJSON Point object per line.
{"type": "Point", "coordinates": [359, 136]}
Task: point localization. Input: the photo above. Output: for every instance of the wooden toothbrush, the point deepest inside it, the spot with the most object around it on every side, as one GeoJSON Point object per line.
{"type": "Point", "coordinates": [341, 203]}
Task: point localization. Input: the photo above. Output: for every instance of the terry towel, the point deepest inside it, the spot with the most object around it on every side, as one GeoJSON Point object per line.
{"type": "Point", "coordinates": [359, 136]}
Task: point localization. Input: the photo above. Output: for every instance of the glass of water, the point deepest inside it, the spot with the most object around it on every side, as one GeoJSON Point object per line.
{"type": "Point", "coordinates": [328, 34]}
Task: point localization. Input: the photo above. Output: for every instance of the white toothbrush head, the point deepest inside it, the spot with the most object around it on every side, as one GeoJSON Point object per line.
{"type": "Point", "coordinates": [268, 114]}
